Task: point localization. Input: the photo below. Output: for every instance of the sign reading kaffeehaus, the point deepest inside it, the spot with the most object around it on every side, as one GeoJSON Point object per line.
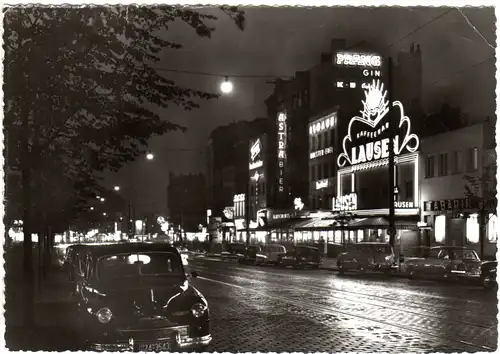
{"type": "Point", "coordinates": [448, 204]}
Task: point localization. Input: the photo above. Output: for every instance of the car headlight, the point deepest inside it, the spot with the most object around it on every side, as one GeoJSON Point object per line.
{"type": "Point", "coordinates": [198, 309]}
{"type": "Point", "coordinates": [104, 315]}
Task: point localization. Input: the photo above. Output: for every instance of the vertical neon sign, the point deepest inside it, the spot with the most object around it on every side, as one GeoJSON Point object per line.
{"type": "Point", "coordinates": [281, 151]}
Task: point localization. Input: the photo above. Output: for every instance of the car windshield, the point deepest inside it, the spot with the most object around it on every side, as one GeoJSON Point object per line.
{"type": "Point", "coordinates": [374, 248]}
{"type": "Point", "coordinates": [464, 254]}
{"type": "Point", "coordinates": [138, 264]}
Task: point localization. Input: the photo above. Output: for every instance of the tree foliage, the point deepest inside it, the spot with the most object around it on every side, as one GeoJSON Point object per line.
{"type": "Point", "coordinates": [84, 81]}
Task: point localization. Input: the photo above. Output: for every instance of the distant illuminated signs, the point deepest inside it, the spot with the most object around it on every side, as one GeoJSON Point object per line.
{"type": "Point", "coordinates": [297, 204]}
{"type": "Point", "coordinates": [255, 150]}
{"type": "Point", "coordinates": [322, 184]}
{"type": "Point", "coordinates": [281, 151]}
{"type": "Point", "coordinates": [358, 59]}
{"type": "Point", "coordinates": [371, 73]}
{"type": "Point", "coordinates": [229, 212]}
{"type": "Point", "coordinates": [239, 198]}
{"type": "Point", "coordinates": [366, 142]}
{"type": "Point", "coordinates": [322, 152]}
{"type": "Point", "coordinates": [345, 202]}
{"type": "Point", "coordinates": [322, 124]}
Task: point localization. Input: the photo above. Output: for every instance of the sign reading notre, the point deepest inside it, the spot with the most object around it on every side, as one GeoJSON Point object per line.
{"type": "Point", "coordinates": [281, 151]}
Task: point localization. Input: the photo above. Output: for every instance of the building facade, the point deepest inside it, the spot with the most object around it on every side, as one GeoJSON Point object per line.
{"type": "Point", "coordinates": [187, 201]}
{"type": "Point", "coordinates": [451, 162]}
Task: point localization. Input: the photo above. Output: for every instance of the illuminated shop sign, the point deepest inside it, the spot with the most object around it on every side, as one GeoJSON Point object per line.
{"type": "Point", "coordinates": [363, 142]}
{"type": "Point", "coordinates": [322, 124]}
{"type": "Point", "coordinates": [358, 59]}
{"type": "Point", "coordinates": [322, 184]}
{"type": "Point", "coordinates": [345, 202]}
{"type": "Point", "coordinates": [297, 204]}
{"type": "Point", "coordinates": [403, 205]}
{"type": "Point", "coordinates": [282, 216]}
{"type": "Point", "coordinates": [239, 198]}
{"type": "Point", "coordinates": [229, 212]}
{"type": "Point", "coordinates": [322, 152]}
{"type": "Point", "coordinates": [448, 204]}
{"type": "Point", "coordinates": [255, 150]}
{"type": "Point", "coordinates": [281, 151]}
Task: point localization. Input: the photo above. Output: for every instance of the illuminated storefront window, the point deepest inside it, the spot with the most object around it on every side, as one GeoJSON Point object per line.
{"type": "Point", "coordinates": [440, 228]}
{"type": "Point", "coordinates": [338, 237]}
{"type": "Point", "coordinates": [360, 235]}
{"type": "Point", "coordinates": [316, 235]}
{"type": "Point", "coordinates": [472, 229]}
{"type": "Point", "coordinates": [493, 228]}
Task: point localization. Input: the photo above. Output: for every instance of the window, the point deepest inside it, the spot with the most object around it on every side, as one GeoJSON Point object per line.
{"type": "Point", "coordinates": [493, 228]}
{"type": "Point", "coordinates": [312, 173]}
{"type": "Point", "coordinates": [329, 138]}
{"type": "Point", "coordinates": [311, 144]}
{"type": "Point", "coordinates": [326, 170]}
{"type": "Point", "coordinates": [457, 162]}
{"type": "Point", "coordinates": [320, 172]}
{"type": "Point", "coordinates": [440, 228]}
{"type": "Point", "coordinates": [306, 96]}
{"type": "Point", "coordinates": [294, 101]}
{"type": "Point", "coordinates": [472, 159]}
{"type": "Point", "coordinates": [443, 164]}
{"type": "Point", "coordinates": [408, 190]}
{"type": "Point", "coordinates": [299, 104]}
{"type": "Point", "coordinates": [320, 141]}
{"type": "Point", "coordinates": [472, 229]}
{"type": "Point", "coordinates": [325, 140]}
{"type": "Point", "coordinates": [429, 166]}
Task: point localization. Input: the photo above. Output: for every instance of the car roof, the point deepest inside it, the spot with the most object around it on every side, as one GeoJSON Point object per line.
{"type": "Point", "coordinates": [311, 247]}
{"type": "Point", "coordinates": [373, 243]}
{"type": "Point", "coordinates": [450, 247]}
{"type": "Point", "coordinates": [131, 247]}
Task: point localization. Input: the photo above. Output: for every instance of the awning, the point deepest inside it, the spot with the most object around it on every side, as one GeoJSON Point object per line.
{"type": "Point", "coordinates": [283, 224]}
{"type": "Point", "coordinates": [317, 223]}
{"type": "Point", "coordinates": [382, 223]}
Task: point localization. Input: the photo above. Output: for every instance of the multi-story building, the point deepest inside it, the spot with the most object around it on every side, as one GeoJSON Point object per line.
{"type": "Point", "coordinates": [451, 163]}
{"type": "Point", "coordinates": [186, 201]}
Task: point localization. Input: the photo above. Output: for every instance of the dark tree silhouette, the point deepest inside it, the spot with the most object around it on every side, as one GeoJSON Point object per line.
{"type": "Point", "coordinates": [80, 92]}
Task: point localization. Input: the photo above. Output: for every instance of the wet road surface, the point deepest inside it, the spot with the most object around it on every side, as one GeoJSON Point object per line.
{"type": "Point", "coordinates": [273, 309]}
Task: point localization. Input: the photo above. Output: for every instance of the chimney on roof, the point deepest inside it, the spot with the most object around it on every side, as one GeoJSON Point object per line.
{"type": "Point", "coordinates": [326, 58]}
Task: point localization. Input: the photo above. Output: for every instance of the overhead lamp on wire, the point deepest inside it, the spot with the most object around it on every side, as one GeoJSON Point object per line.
{"type": "Point", "coordinates": [226, 86]}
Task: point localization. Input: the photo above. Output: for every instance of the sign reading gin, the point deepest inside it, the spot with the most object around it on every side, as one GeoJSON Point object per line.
{"type": "Point", "coordinates": [281, 151]}
{"type": "Point", "coordinates": [367, 136]}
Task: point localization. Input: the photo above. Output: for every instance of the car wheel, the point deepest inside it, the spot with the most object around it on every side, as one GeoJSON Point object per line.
{"type": "Point", "coordinates": [488, 282]}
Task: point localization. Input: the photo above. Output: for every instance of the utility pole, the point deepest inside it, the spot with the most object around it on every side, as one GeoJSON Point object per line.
{"type": "Point", "coordinates": [392, 229]}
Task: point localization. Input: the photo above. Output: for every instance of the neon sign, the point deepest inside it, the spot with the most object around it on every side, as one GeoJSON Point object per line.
{"type": "Point", "coordinates": [297, 204]}
{"type": "Point", "coordinates": [255, 150]}
{"type": "Point", "coordinates": [369, 145]}
{"type": "Point", "coordinates": [345, 202]}
{"type": "Point", "coordinates": [281, 150]}
{"type": "Point", "coordinates": [323, 124]}
{"type": "Point", "coordinates": [356, 59]}
{"type": "Point", "coordinates": [239, 198]}
{"type": "Point", "coordinates": [321, 184]}
{"type": "Point", "coordinates": [403, 205]}
{"type": "Point", "coordinates": [322, 152]}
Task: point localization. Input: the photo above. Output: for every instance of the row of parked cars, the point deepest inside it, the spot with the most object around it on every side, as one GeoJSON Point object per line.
{"type": "Point", "coordinates": [456, 263]}
{"type": "Point", "coordinates": [273, 254]}
{"type": "Point", "coordinates": [136, 297]}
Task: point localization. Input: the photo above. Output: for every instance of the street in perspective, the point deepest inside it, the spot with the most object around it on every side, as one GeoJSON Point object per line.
{"type": "Point", "coordinates": [250, 179]}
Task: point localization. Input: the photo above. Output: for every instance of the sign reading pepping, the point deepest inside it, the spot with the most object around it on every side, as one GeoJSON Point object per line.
{"type": "Point", "coordinates": [366, 135]}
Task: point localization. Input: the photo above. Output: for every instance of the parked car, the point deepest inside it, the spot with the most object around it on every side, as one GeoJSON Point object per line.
{"type": "Point", "coordinates": [136, 297]}
{"type": "Point", "coordinates": [233, 251]}
{"type": "Point", "coordinates": [269, 254]}
{"type": "Point", "coordinates": [367, 256]}
{"type": "Point", "coordinates": [489, 274]}
{"type": "Point", "coordinates": [445, 262]}
{"type": "Point", "coordinates": [300, 257]}
{"type": "Point", "coordinates": [250, 255]}
{"type": "Point", "coordinates": [72, 260]}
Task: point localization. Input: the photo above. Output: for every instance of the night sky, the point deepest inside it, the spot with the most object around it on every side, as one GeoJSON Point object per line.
{"type": "Point", "coordinates": [280, 41]}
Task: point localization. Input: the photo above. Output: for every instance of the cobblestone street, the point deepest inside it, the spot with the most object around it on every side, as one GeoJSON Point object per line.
{"type": "Point", "coordinates": [270, 309]}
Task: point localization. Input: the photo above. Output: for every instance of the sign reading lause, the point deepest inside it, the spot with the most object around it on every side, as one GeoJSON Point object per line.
{"type": "Point", "coordinates": [366, 135]}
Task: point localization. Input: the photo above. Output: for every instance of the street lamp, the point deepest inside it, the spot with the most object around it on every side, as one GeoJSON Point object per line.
{"type": "Point", "coordinates": [226, 86]}
{"type": "Point", "coordinates": [102, 199]}
{"type": "Point", "coordinates": [92, 208]}
{"type": "Point", "coordinates": [150, 156]}
{"type": "Point", "coordinates": [104, 214]}
{"type": "Point", "coordinates": [117, 188]}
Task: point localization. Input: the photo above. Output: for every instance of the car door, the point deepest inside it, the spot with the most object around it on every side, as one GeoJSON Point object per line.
{"type": "Point", "coordinates": [442, 263]}
{"type": "Point", "coordinates": [427, 265]}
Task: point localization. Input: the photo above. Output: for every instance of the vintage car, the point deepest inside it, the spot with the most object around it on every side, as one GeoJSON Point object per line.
{"type": "Point", "coordinates": [300, 257]}
{"type": "Point", "coordinates": [136, 297]}
{"type": "Point", "coordinates": [250, 255]}
{"type": "Point", "coordinates": [449, 262]}
{"type": "Point", "coordinates": [71, 263]}
{"type": "Point", "coordinates": [367, 256]}
{"type": "Point", "coordinates": [233, 251]}
{"type": "Point", "coordinates": [269, 254]}
{"type": "Point", "coordinates": [489, 274]}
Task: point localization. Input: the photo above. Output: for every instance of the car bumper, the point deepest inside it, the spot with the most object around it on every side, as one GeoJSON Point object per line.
{"type": "Point", "coordinates": [181, 342]}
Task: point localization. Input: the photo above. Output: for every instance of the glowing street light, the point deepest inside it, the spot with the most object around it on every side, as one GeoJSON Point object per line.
{"type": "Point", "coordinates": [117, 188]}
{"type": "Point", "coordinates": [98, 197]}
{"type": "Point", "coordinates": [104, 214]}
{"type": "Point", "coordinates": [91, 208]}
{"type": "Point", "coordinates": [102, 199]}
{"type": "Point", "coordinates": [150, 156]}
{"type": "Point", "coordinates": [226, 86]}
